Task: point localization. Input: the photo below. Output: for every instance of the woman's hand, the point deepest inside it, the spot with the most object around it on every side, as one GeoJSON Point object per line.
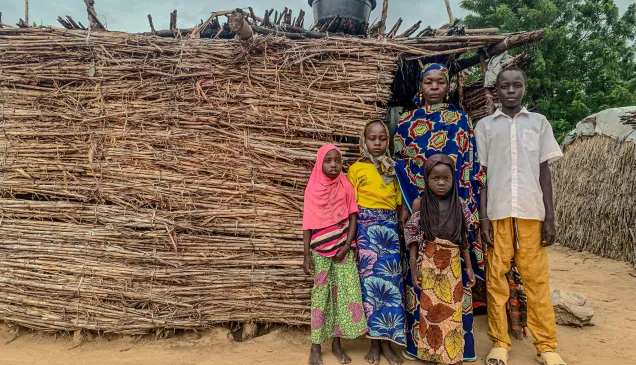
{"type": "Point", "coordinates": [308, 265]}
{"type": "Point", "coordinates": [486, 231]}
{"type": "Point", "coordinates": [416, 275]}
{"type": "Point", "coordinates": [342, 252]}
{"type": "Point", "coordinates": [471, 277]}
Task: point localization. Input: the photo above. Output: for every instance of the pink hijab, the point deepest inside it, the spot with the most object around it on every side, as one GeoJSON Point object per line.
{"type": "Point", "coordinates": [327, 201]}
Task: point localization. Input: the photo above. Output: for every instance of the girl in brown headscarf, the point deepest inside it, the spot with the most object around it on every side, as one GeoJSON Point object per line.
{"type": "Point", "coordinates": [437, 235]}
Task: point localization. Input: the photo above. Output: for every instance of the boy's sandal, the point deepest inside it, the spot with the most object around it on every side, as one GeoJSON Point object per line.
{"type": "Point", "coordinates": [497, 356]}
{"type": "Point", "coordinates": [550, 358]}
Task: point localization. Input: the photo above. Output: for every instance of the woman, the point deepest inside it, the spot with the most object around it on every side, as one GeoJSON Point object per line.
{"type": "Point", "coordinates": [436, 127]}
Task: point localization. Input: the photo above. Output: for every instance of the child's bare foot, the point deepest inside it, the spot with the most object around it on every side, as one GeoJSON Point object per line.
{"type": "Point", "coordinates": [315, 357]}
{"type": "Point", "coordinates": [336, 348]}
{"type": "Point", "coordinates": [390, 356]}
{"type": "Point", "coordinates": [373, 357]}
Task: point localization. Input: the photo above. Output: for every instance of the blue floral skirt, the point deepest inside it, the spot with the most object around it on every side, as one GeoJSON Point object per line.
{"type": "Point", "coordinates": [380, 267]}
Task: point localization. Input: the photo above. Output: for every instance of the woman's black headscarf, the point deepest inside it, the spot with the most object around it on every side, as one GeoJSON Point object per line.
{"type": "Point", "coordinates": [442, 217]}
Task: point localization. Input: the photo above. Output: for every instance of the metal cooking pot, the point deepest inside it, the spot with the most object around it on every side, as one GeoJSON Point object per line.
{"type": "Point", "coordinates": [326, 10]}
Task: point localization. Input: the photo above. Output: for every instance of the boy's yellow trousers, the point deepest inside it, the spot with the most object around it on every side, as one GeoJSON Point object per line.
{"type": "Point", "coordinates": [520, 239]}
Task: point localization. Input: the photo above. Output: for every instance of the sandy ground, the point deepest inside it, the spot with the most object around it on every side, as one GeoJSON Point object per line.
{"type": "Point", "coordinates": [607, 283]}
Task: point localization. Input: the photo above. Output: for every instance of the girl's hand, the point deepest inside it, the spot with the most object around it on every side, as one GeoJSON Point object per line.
{"type": "Point", "coordinates": [416, 276]}
{"type": "Point", "coordinates": [403, 216]}
{"type": "Point", "coordinates": [356, 252]}
{"type": "Point", "coordinates": [342, 252]}
{"type": "Point", "coordinates": [308, 265]}
{"type": "Point", "coordinates": [471, 277]}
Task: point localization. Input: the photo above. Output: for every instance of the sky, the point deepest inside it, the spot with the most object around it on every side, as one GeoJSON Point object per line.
{"type": "Point", "coordinates": [130, 15]}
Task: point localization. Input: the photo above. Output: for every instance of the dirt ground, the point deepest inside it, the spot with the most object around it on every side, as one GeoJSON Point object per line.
{"type": "Point", "coordinates": [607, 283]}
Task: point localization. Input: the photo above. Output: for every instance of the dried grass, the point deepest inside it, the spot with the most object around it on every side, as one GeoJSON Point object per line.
{"type": "Point", "coordinates": [595, 197]}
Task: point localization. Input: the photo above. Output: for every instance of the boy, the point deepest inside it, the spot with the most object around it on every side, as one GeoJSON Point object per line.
{"type": "Point", "coordinates": [517, 214]}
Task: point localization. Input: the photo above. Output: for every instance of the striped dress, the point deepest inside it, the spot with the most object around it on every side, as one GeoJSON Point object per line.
{"type": "Point", "coordinates": [327, 241]}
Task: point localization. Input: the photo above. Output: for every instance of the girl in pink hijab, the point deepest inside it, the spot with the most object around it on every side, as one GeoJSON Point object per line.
{"type": "Point", "coordinates": [329, 228]}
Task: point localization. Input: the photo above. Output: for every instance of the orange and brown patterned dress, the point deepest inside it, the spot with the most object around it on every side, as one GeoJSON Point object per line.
{"type": "Point", "coordinates": [440, 337]}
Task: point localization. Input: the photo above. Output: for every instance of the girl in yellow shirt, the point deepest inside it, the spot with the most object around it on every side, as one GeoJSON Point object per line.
{"type": "Point", "coordinates": [379, 262]}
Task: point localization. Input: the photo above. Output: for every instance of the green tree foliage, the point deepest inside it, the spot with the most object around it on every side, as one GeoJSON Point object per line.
{"type": "Point", "coordinates": [586, 62]}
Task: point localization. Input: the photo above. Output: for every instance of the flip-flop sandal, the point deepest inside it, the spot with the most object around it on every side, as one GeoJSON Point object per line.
{"type": "Point", "coordinates": [497, 356]}
{"type": "Point", "coordinates": [550, 358]}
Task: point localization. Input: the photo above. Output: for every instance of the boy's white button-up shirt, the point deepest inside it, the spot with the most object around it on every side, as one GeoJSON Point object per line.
{"type": "Point", "coordinates": [512, 149]}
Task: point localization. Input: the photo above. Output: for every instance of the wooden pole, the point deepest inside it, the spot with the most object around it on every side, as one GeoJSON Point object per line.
{"type": "Point", "coordinates": [385, 10]}
{"type": "Point", "coordinates": [173, 20]}
{"type": "Point", "coordinates": [395, 28]}
{"type": "Point", "coordinates": [515, 40]}
{"type": "Point", "coordinates": [410, 31]}
{"type": "Point", "coordinates": [26, 11]}
{"type": "Point", "coordinates": [72, 22]}
{"type": "Point", "coordinates": [451, 18]}
{"type": "Point", "coordinates": [152, 26]}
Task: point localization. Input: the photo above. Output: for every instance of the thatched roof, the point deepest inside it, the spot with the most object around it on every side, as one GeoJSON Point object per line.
{"type": "Point", "coordinates": [595, 186]}
{"type": "Point", "coordinates": [156, 182]}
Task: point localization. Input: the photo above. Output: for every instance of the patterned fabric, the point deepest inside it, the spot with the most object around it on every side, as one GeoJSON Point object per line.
{"type": "Point", "coordinates": [336, 300]}
{"type": "Point", "coordinates": [327, 241]}
{"type": "Point", "coordinates": [421, 133]}
{"type": "Point", "coordinates": [517, 304]}
{"type": "Point", "coordinates": [384, 164]}
{"type": "Point", "coordinates": [412, 234]}
{"type": "Point", "coordinates": [380, 270]}
{"type": "Point", "coordinates": [432, 67]}
{"type": "Point", "coordinates": [440, 336]}
{"type": "Point", "coordinates": [443, 129]}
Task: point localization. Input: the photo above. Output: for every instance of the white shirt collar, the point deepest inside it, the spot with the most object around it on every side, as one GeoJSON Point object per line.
{"type": "Point", "coordinates": [499, 113]}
